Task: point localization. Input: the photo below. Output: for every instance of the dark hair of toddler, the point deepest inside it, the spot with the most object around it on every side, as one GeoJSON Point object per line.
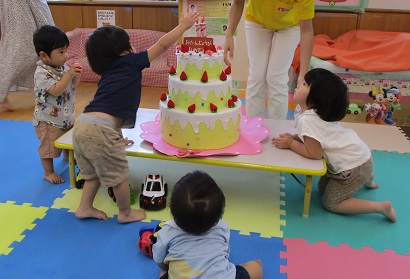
{"type": "Point", "coordinates": [328, 94]}
{"type": "Point", "coordinates": [105, 45]}
{"type": "Point", "coordinates": [197, 203]}
{"type": "Point", "coordinates": [48, 38]}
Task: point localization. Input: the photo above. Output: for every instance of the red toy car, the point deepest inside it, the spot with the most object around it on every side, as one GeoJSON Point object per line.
{"type": "Point", "coordinates": [148, 237]}
{"type": "Point", "coordinates": [145, 242]}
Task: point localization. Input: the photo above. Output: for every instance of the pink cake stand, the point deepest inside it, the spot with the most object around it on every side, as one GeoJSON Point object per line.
{"type": "Point", "coordinates": [250, 140]}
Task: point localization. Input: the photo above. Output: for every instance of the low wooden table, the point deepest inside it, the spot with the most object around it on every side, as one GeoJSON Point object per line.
{"type": "Point", "coordinates": [270, 159]}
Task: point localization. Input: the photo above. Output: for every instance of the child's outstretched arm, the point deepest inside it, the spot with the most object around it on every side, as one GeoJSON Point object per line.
{"type": "Point", "coordinates": [171, 37]}
{"type": "Point", "coordinates": [311, 148]}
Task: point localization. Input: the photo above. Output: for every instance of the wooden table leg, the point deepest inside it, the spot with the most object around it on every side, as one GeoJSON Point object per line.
{"type": "Point", "coordinates": [71, 165]}
{"type": "Point", "coordinates": [308, 193]}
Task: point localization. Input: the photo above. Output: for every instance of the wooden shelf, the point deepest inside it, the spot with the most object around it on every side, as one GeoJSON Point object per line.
{"type": "Point", "coordinates": [150, 15]}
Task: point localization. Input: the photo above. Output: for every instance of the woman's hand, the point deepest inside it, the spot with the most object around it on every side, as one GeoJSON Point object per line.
{"type": "Point", "coordinates": [228, 48]}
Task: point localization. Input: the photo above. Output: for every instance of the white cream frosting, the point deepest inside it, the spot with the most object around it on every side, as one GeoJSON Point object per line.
{"type": "Point", "coordinates": [196, 118]}
{"type": "Point", "coordinates": [191, 57]}
{"type": "Point", "coordinates": [192, 87]}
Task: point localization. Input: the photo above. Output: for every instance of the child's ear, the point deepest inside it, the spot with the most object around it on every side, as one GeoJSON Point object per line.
{"type": "Point", "coordinates": [43, 56]}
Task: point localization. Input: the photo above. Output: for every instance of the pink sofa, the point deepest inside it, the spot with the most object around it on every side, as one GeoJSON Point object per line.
{"type": "Point", "coordinates": [155, 75]}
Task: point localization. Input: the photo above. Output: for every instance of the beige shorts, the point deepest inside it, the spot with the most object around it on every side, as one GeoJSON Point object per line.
{"type": "Point", "coordinates": [48, 134]}
{"type": "Point", "coordinates": [100, 153]}
{"type": "Point", "coordinates": [339, 187]}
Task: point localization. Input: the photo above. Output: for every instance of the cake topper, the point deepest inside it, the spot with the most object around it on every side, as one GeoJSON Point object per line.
{"type": "Point", "coordinates": [197, 44]}
{"type": "Point", "coordinates": [200, 28]}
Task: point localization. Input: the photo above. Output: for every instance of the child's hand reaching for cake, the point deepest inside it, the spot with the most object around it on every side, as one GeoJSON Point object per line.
{"type": "Point", "coordinates": [189, 20]}
{"type": "Point", "coordinates": [172, 37]}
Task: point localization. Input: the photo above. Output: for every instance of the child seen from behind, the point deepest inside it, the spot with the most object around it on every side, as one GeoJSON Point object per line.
{"type": "Point", "coordinates": [196, 243]}
{"type": "Point", "coordinates": [322, 100]}
{"type": "Point", "coordinates": [54, 87]}
{"type": "Point", "coordinates": [97, 137]}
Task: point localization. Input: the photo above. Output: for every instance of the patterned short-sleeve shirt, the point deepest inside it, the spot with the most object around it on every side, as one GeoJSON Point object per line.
{"type": "Point", "coordinates": [56, 110]}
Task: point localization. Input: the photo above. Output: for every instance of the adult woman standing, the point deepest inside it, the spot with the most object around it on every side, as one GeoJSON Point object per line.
{"type": "Point", "coordinates": [19, 20]}
{"type": "Point", "coordinates": [273, 30]}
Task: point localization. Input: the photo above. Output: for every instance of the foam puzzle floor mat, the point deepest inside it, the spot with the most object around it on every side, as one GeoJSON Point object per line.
{"type": "Point", "coordinates": [41, 238]}
{"type": "Point", "coordinates": [371, 230]}
{"type": "Point", "coordinates": [251, 196]}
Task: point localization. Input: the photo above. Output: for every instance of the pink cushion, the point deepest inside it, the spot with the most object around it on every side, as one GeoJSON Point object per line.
{"type": "Point", "coordinates": [155, 75]}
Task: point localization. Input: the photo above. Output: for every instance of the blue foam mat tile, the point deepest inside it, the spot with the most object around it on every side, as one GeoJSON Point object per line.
{"type": "Point", "coordinates": [370, 230]}
{"type": "Point", "coordinates": [245, 248]}
{"type": "Point", "coordinates": [21, 170]}
{"type": "Point", "coordinates": [32, 187]}
{"type": "Point", "coordinates": [62, 246]}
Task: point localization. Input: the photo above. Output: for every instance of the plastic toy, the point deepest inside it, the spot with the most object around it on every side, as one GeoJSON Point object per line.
{"type": "Point", "coordinates": [392, 99]}
{"type": "Point", "coordinates": [378, 109]}
{"type": "Point", "coordinates": [353, 108]}
{"type": "Point", "coordinates": [153, 192]}
{"type": "Point", "coordinates": [79, 182]}
{"type": "Point", "coordinates": [148, 237]}
{"type": "Point", "coordinates": [112, 195]}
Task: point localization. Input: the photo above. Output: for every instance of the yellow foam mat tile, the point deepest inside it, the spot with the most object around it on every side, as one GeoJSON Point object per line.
{"type": "Point", "coordinates": [253, 200]}
{"type": "Point", "coordinates": [103, 202]}
{"type": "Point", "coordinates": [72, 198]}
{"type": "Point", "coordinates": [255, 206]}
{"type": "Point", "coordinates": [14, 220]}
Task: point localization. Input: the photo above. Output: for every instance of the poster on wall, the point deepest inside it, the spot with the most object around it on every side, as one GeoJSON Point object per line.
{"type": "Point", "coordinates": [105, 17]}
{"type": "Point", "coordinates": [213, 16]}
{"type": "Point", "coordinates": [341, 5]}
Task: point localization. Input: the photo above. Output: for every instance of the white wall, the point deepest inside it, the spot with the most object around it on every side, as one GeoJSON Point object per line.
{"type": "Point", "coordinates": [389, 4]}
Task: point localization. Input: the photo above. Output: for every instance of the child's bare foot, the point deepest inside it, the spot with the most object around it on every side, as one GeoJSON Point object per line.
{"type": "Point", "coordinates": [90, 213]}
{"type": "Point", "coordinates": [370, 184]}
{"type": "Point", "coordinates": [54, 178]}
{"type": "Point", "coordinates": [389, 211]}
{"type": "Point", "coordinates": [134, 215]}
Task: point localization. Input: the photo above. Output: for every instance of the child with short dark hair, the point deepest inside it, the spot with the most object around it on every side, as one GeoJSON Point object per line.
{"type": "Point", "coordinates": [322, 100]}
{"type": "Point", "coordinates": [97, 137]}
{"type": "Point", "coordinates": [54, 87]}
{"type": "Point", "coordinates": [196, 243]}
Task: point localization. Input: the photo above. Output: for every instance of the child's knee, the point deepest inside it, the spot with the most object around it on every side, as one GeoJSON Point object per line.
{"type": "Point", "coordinates": [330, 205]}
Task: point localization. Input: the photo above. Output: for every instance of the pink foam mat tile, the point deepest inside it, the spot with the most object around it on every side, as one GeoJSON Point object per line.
{"type": "Point", "coordinates": [308, 260]}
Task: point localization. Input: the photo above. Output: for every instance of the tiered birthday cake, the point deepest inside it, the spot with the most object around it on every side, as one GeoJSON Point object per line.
{"type": "Point", "coordinates": [199, 111]}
